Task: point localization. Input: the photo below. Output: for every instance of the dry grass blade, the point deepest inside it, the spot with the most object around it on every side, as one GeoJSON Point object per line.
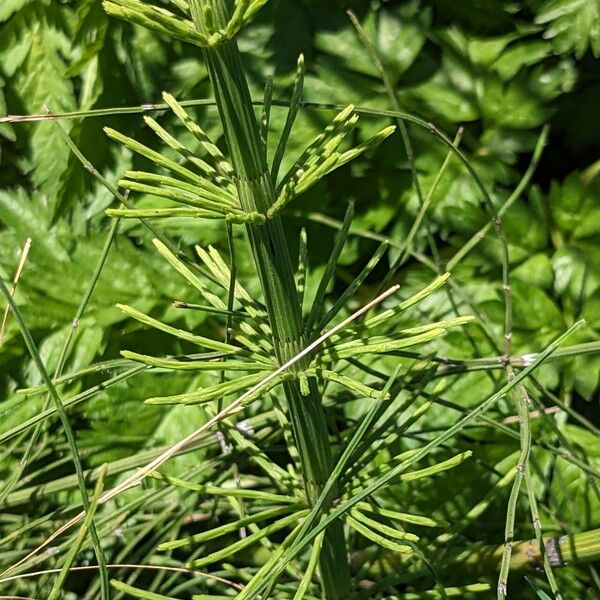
{"type": "Point", "coordinates": [165, 568]}
{"type": "Point", "coordinates": [532, 415]}
{"type": "Point", "coordinates": [20, 267]}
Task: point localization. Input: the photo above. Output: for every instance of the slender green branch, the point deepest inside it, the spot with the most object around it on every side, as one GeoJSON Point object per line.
{"type": "Point", "coordinates": [124, 200]}
{"type": "Point", "coordinates": [516, 194]}
{"type": "Point", "coordinates": [389, 87]}
{"type": "Point", "coordinates": [33, 439]}
{"type": "Point", "coordinates": [33, 351]}
{"type": "Point", "coordinates": [311, 528]}
{"type": "Point", "coordinates": [562, 551]}
{"type": "Point", "coordinates": [80, 538]}
{"type": "Point", "coordinates": [522, 402]}
{"type": "Point", "coordinates": [537, 527]}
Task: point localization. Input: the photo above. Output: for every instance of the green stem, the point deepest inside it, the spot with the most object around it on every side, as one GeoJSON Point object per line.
{"type": "Point", "coordinates": [276, 273]}
{"type": "Point", "coordinates": [563, 551]}
{"type": "Point", "coordinates": [522, 403]}
{"type": "Point", "coordinates": [516, 194]}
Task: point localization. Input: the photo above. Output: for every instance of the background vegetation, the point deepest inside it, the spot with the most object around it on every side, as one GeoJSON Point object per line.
{"type": "Point", "coordinates": [514, 76]}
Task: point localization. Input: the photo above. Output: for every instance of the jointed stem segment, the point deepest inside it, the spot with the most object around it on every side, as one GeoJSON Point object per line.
{"type": "Point", "coordinates": [274, 265]}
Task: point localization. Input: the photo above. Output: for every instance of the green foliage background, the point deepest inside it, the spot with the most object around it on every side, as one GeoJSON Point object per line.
{"type": "Point", "coordinates": [500, 69]}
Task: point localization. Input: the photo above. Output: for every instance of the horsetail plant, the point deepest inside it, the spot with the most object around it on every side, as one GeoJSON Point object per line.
{"type": "Point", "coordinates": [333, 500]}
{"type": "Point", "coordinates": [245, 189]}
{"type": "Point", "coordinates": [270, 503]}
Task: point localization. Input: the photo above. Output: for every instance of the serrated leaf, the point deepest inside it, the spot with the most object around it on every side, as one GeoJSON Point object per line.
{"type": "Point", "coordinates": [399, 36]}
{"type": "Point", "coordinates": [90, 35]}
{"type": "Point", "coordinates": [42, 83]}
{"type": "Point", "coordinates": [512, 104]}
{"type": "Point", "coordinates": [572, 25]}
{"type": "Point", "coordinates": [519, 55]}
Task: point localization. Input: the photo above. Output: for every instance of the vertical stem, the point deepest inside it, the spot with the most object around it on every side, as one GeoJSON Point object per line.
{"type": "Point", "coordinates": [522, 402]}
{"type": "Point", "coordinates": [274, 265]}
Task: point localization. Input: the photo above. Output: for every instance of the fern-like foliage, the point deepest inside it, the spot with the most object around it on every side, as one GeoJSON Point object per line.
{"type": "Point", "coordinates": [572, 25]}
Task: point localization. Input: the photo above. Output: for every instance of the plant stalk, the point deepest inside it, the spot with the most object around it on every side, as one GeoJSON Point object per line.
{"type": "Point", "coordinates": [563, 551]}
{"type": "Point", "coordinates": [274, 265]}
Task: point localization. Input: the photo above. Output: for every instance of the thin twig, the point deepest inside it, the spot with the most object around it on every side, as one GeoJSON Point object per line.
{"type": "Point", "coordinates": [222, 434]}
{"type": "Point", "coordinates": [194, 572]}
{"type": "Point", "coordinates": [516, 194]}
{"type": "Point", "coordinates": [376, 58]}
{"type": "Point", "coordinates": [15, 282]}
{"type": "Point", "coordinates": [522, 402]}
{"type": "Point", "coordinates": [532, 415]}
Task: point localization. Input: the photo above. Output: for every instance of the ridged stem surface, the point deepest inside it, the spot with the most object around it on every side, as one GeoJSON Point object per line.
{"type": "Point", "coordinates": [274, 265]}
